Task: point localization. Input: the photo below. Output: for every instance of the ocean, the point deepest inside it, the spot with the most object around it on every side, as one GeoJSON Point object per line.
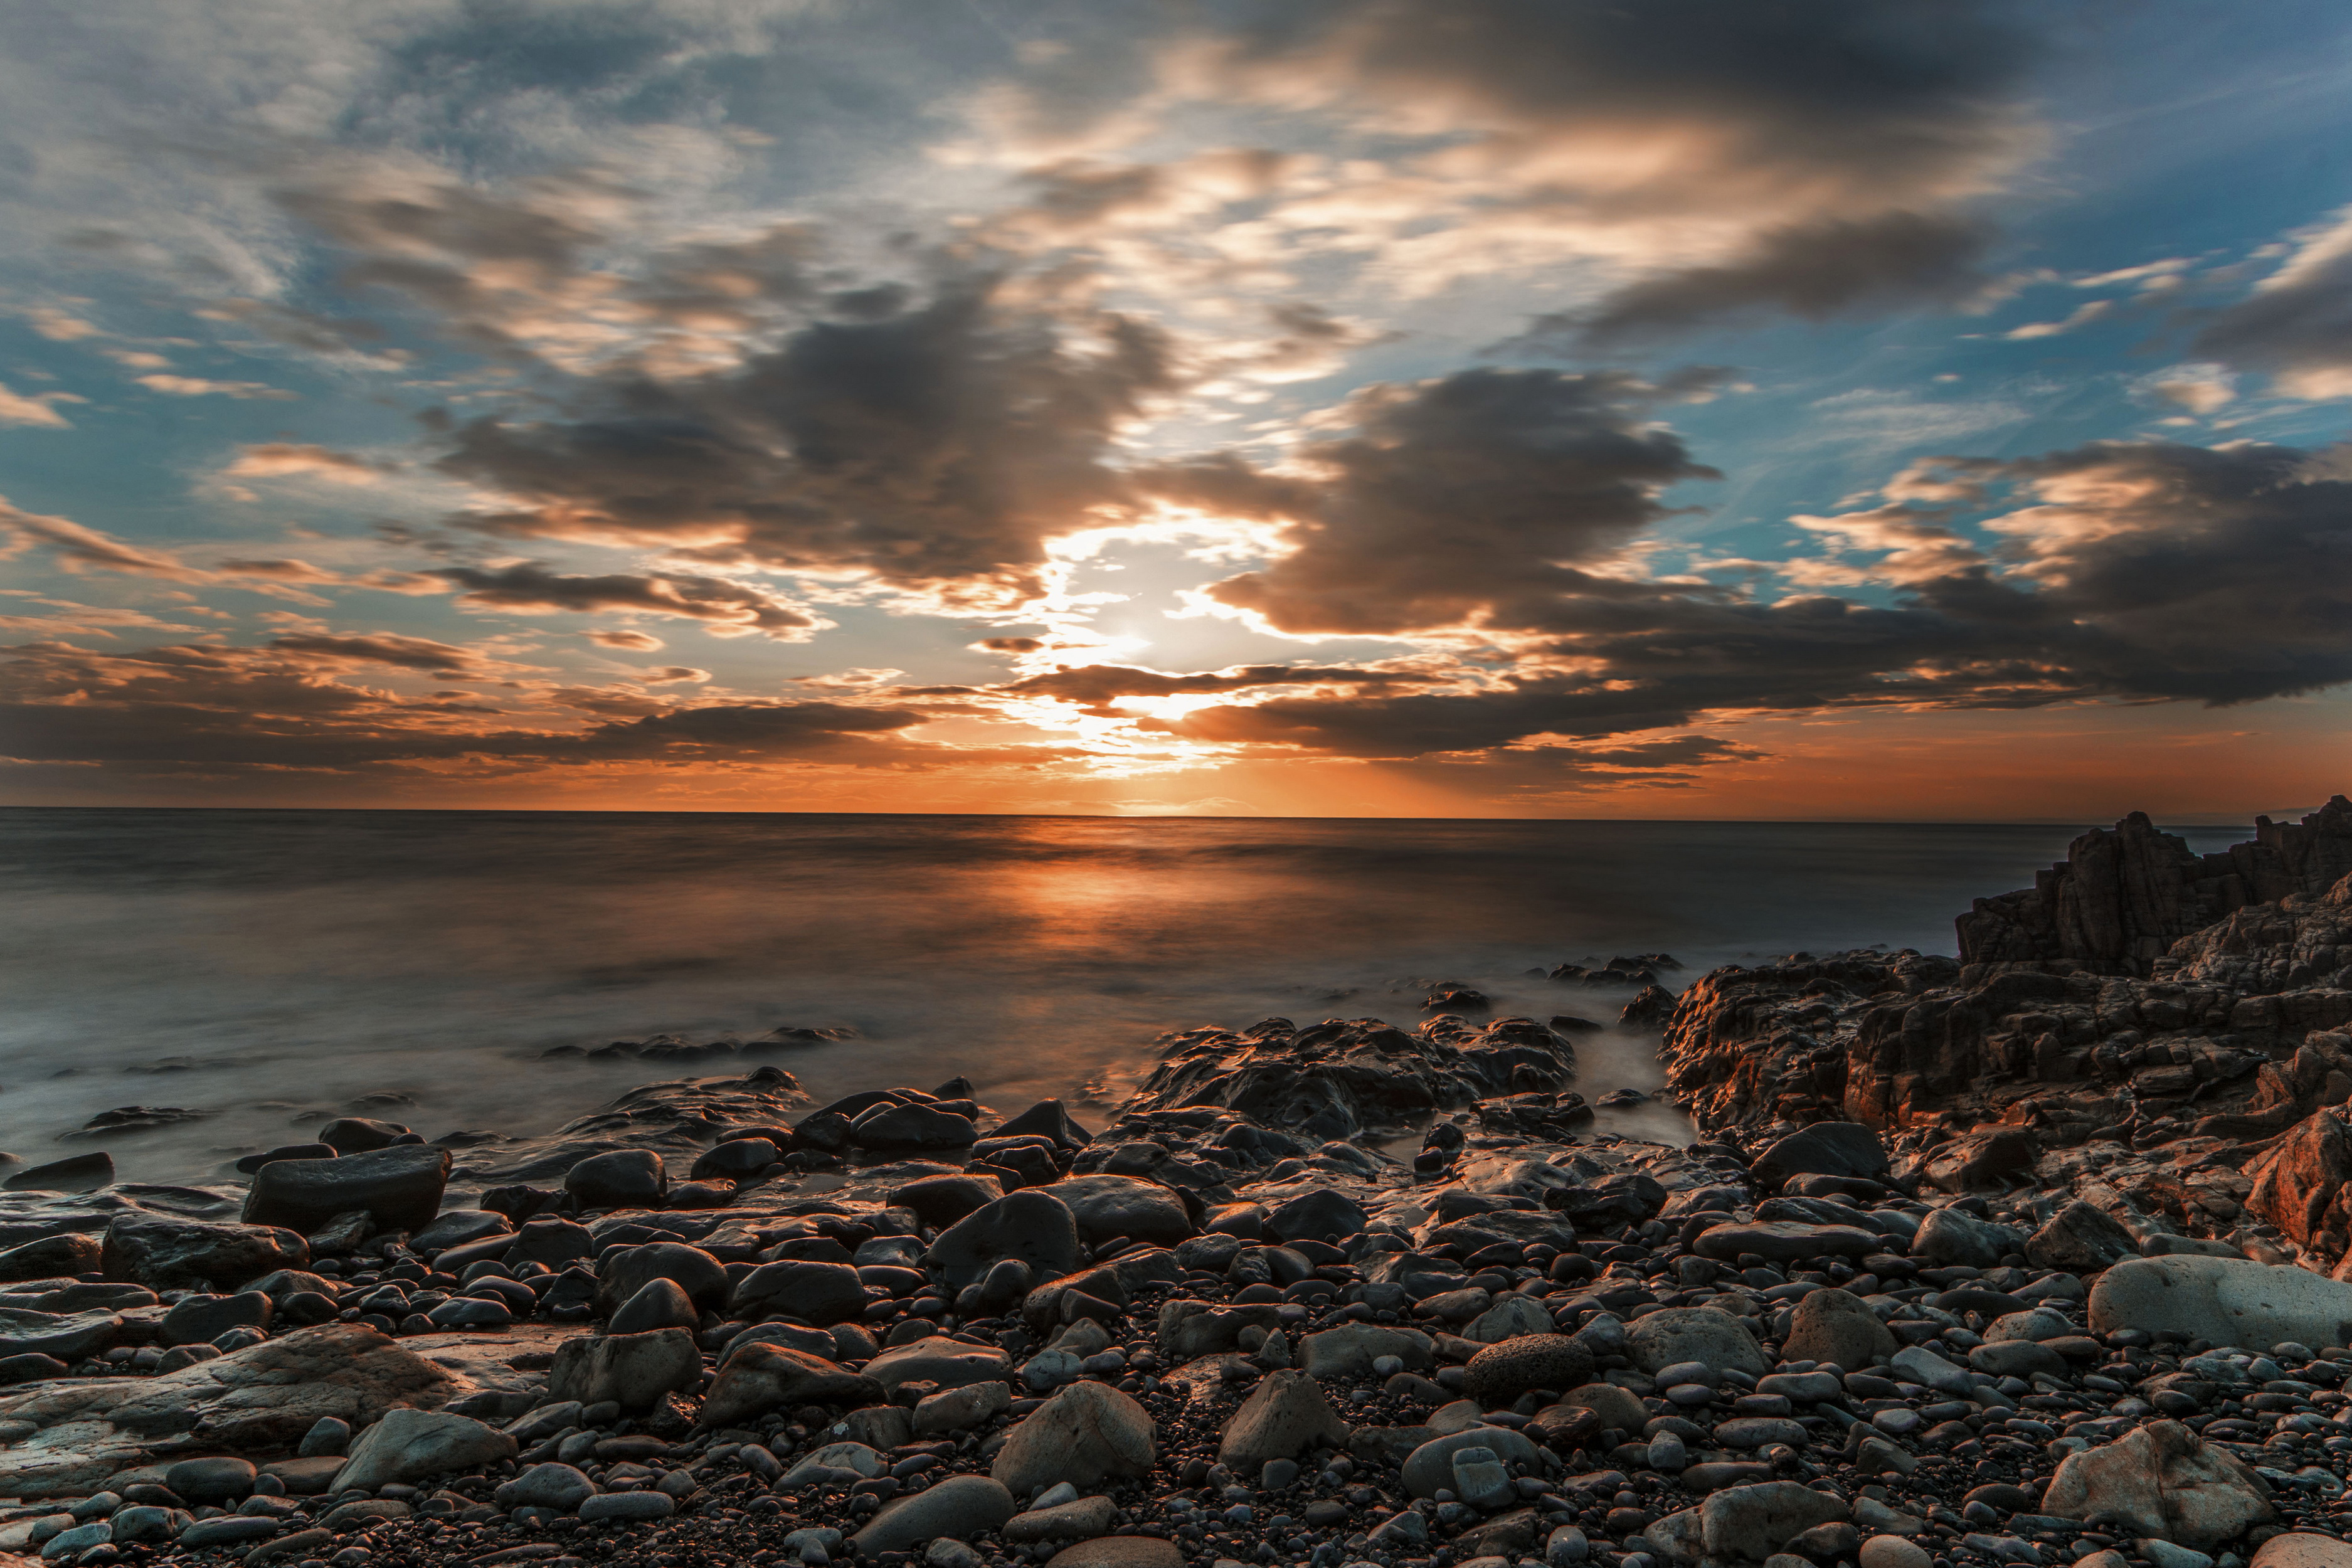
{"type": "Point", "coordinates": [271, 969]}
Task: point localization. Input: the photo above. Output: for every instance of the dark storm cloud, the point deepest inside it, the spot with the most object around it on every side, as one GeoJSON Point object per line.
{"type": "Point", "coordinates": [389, 649]}
{"type": "Point", "coordinates": [1462, 499]}
{"type": "Point", "coordinates": [934, 448]}
{"type": "Point", "coordinates": [726, 606]}
{"type": "Point", "coordinates": [1097, 687]}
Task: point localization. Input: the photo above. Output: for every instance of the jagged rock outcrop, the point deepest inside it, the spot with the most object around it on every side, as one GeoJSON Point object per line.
{"type": "Point", "coordinates": [2124, 895]}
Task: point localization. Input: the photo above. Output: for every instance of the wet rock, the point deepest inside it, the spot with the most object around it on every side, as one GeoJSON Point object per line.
{"type": "Point", "coordinates": [167, 1254]}
{"type": "Point", "coordinates": [1083, 1519]}
{"type": "Point", "coordinates": [1107, 1207]}
{"type": "Point", "coordinates": [1755, 1522]}
{"type": "Point", "coordinates": [2161, 1480]}
{"type": "Point", "coordinates": [1837, 1326]}
{"type": "Point", "coordinates": [1429, 1469]}
{"type": "Point", "coordinates": [400, 1187]}
{"type": "Point", "coordinates": [1047, 1119]}
{"type": "Point", "coordinates": [761, 1377]}
{"type": "Point", "coordinates": [213, 1481]}
{"type": "Point", "coordinates": [199, 1319]}
{"type": "Point", "coordinates": [1498, 1374]}
{"type": "Point", "coordinates": [64, 1336]}
{"type": "Point", "coordinates": [892, 1128]}
{"type": "Point", "coordinates": [632, 1371]}
{"type": "Point", "coordinates": [1702, 1334]}
{"type": "Point", "coordinates": [2223, 1301]}
{"type": "Point", "coordinates": [940, 1201]}
{"type": "Point", "coordinates": [1322, 1214]}
{"type": "Point", "coordinates": [361, 1134]}
{"type": "Point", "coordinates": [52, 1257]}
{"type": "Point", "coordinates": [1029, 1226]}
{"type": "Point", "coordinates": [1285, 1416]}
{"type": "Point", "coordinates": [460, 1228]}
{"type": "Point", "coordinates": [958, 1508]}
{"type": "Point", "coordinates": [658, 1304]}
{"type": "Point", "coordinates": [1085, 1434]}
{"type": "Point", "coordinates": [1948, 1237]}
{"type": "Point", "coordinates": [1785, 1241]}
{"type": "Point", "coordinates": [407, 1445]}
{"type": "Point", "coordinates": [77, 1173]}
{"type": "Point", "coordinates": [948, 1363]}
{"type": "Point", "coordinates": [819, 1293]}
{"type": "Point", "coordinates": [737, 1159]}
{"type": "Point", "coordinates": [558, 1487]}
{"type": "Point", "coordinates": [625, 1270]}
{"type": "Point", "coordinates": [2080, 1239]}
{"type": "Point", "coordinates": [626, 1178]}
{"type": "Point", "coordinates": [1349, 1350]}
{"type": "Point", "coordinates": [1825, 1148]}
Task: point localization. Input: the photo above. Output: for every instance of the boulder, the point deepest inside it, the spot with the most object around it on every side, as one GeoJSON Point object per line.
{"type": "Point", "coordinates": [1108, 1208]}
{"type": "Point", "coordinates": [940, 1201]}
{"type": "Point", "coordinates": [819, 1293]}
{"type": "Point", "coordinates": [1516, 1316]}
{"type": "Point", "coordinates": [459, 1227]}
{"type": "Point", "coordinates": [1785, 1241]}
{"type": "Point", "coordinates": [632, 1371]}
{"type": "Point", "coordinates": [218, 1480]}
{"type": "Point", "coordinates": [762, 1377]}
{"type": "Point", "coordinates": [2299, 1550]}
{"type": "Point", "coordinates": [956, 1508]}
{"type": "Point", "coordinates": [1047, 1119]}
{"type": "Point", "coordinates": [265, 1397]}
{"type": "Point", "coordinates": [2161, 1480]}
{"type": "Point", "coordinates": [1988, 1157]}
{"type": "Point", "coordinates": [1948, 1237]}
{"type": "Point", "coordinates": [66, 1336]}
{"type": "Point", "coordinates": [200, 1319]}
{"type": "Point", "coordinates": [737, 1159]}
{"type": "Point", "coordinates": [2226, 1301]}
{"type": "Point", "coordinates": [629, 1508]}
{"type": "Point", "coordinates": [407, 1445]}
{"type": "Point", "coordinates": [625, 1270]}
{"type": "Point", "coordinates": [1838, 1326]}
{"type": "Point", "coordinates": [1429, 1469]}
{"type": "Point", "coordinates": [1824, 1149]}
{"type": "Point", "coordinates": [1349, 1350]}
{"type": "Point", "coordinates": [900, 1128]}
{"type": "Point", "coordinates": [1322, 1214]}
{"type": "Point", "coordinates": [167, 1254]}
{"type": "Point", "coordinates": [558, 1487]}
{"type": "Point", "coordinates": [359, 1134]}
{"type": "Point", "coordinates": [960, 1409]}
{"type": "Point", "coordinates": [1497, 1375]}
{"type": "Point", "coordinates": [1028, 1226]}
{"type": "Point", "coordinates": [74, 1174]}
{"type": "Point", "coordinates": [2080, 1239]}
{"type": "Point", "coordinates": [1284, 1417]}
{"type": "Point", "coordinates": [1755, 1522]}
{"type": "Point", "coordinates": [1702, 1334]}
{"type": "Point", "coordinates": [660, 1304]}
{"type": "Point", "coordinates": [1087, 1432]}
{"type": "Point", "coordinates": [624, 1179]}
{"type": "Point", "coordinates": [950, 1363]}
{"type": "Point", "coordinates": [50, 1258]}
{"type": "Point", "coordinates": [399, 1186]}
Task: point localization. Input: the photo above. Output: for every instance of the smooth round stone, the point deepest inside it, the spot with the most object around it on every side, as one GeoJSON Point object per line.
{"type": "Point", "coordinates": [1894, 1552]}
{"type": "Point", "coordinates": [1896, 1423]}
{"type": "Point", "coordinates": [1689, 1395]}
{"type": "Point", "coordinates": [628, 1506]}
{"type": "Point", "coordinates": [218, 1479]}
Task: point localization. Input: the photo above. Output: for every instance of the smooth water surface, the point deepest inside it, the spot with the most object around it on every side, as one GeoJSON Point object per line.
{"type": "Point", "coordinates": [274, 967]}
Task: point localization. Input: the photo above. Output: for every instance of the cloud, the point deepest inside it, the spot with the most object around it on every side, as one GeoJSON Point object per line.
{"type": "Point", "coordinates": [1099, 687]}
{"type": "Point", "coordinates": [726, 607]}
{"type": "Point", "coordinates": [81, 549]}
{"type": "Point", "coordinates": [2296, 326]}
{"type": "Point", "coordinates": [59, 327]}
{"type": "Point", "coordinates": [2082, 315]}
{"type": "Point", "coordinates": [634, 642]}
{"type": "Point", "coordinates": [396, 650]}
{"type": "Point", "coordinates": [15, 408]}
{"type": "Point", "coordinates": [1472, 499]}
{"type": "Point", "coordinates": [671, 674]}
{"type": "Point", "coordinates": [929, 446]}
{"type": "Point", "coordinates": [197, 387]}
{"type": "Point", "coordinates": [280, 459]}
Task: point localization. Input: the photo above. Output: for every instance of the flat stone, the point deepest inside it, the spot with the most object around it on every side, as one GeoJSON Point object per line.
{"type": "Point", "coordinates": [2296, 1549]}
{"type": "Point", "coordinates": [1429, 1469]}
{"type": "Point", "coordinates": [50, 1258]}
{"type": "Point", "coordinates": [1081, 1520]}
{"type": "Point", "coordinates": [405, 1445]}
{"type": "Point", "coordinates": [819, 1293]}
{"type": "Point", "coordinates": [632, 1371]}
{"type": "Point", "coordinates": [2229, 1301]}
{"type": "Point", "coordinates": [1785, 1241]}
{"type": "Point", "coordinates": [218, 1479]}
{"type": "Point", "coordinates": [762, 1377]}
{"type": "Point", "coordinates": [627, 1507]}
{"type": "Point", "coordinates": [1114, 1207]}
{"type": "Point", "coordinates": [1701, 1334]}
{"type": "Point", "coordinates": [1755, 1522]}
{"type": "Point", "coordinates": [1119, 1551]}
{"type": "Point", "coordinates": [958, 1508]}
{"type": "Point", "coordinates": [1826, 1149]}
{"type": "Point", "coordinates": [66, 1336]}
{"type": "Point", "coordinates": [199, 1319]}
{"type": "Point", "coordinates": [558, 1487]}
{"type": "Point", "coordinates": [1948, 1237]}
{"type": "Point", "coordinates": [1349, 1350]}
{"type": "Point", "coordinates": [167, 1254]}
{"type": "Point", "coordinates": [950, 1363]}
{"type": "Point", "coordinates": [399, 1186]}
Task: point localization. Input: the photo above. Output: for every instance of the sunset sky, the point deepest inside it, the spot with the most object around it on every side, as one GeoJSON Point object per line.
{"type": "Point", "coordinates": [1494, 407]}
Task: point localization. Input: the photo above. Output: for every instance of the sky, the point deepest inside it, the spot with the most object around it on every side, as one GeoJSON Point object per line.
{"type": "Point", "coordinates": [1735, 408]}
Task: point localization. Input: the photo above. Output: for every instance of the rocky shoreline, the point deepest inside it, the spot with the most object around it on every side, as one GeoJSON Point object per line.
{"type": "Point", "coordinates": [2033, 1258]}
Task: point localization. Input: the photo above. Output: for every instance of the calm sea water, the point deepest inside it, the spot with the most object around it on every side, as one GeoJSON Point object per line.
{"type": "Point", "coordinates": [273, 967]}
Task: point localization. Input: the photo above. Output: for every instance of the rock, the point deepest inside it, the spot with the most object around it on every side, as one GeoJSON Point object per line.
{"type": "Point", "coordinates": [328, 1435]}
{"type": "Point", "coordinates": [1924, 1367]}
{"type": "Point", "coordinates": [167, 1254]}
{"type": "Point", "coordinates": [819, 1293]}
{"type": "Point", "coordinates": [960, 1409]}
{"type": "Point", "coordinates": [627, 1507]}
{"type": "Point", "coordinates": [1826, 1149]}
{"type": "Point", "coordinates": [950, 1363]}
{"type": "Point", "coordinates": [554, 1242]}
{"type": "Point", "coordinates": [1284, 1417]}
{"type": "Point", "coordinates": [958, 1508]}
{"type": "Point", "coordinates": [1349, 1350]}
{"type": "Point", "coordinates": [1028, 1226]}
{"type": "Point", "coordinates": [51, 1257]}
{"type": "Point", "coordinates": [1701, 1334]}
{"type": "Point", "coordinates": [2300, 1550]}
{"type": "Point", "coordinates": [558, 1487]}
{"type": "Point", "coordinates": [1087, 1432]}
{"type": "Point", "coordinates": [29, 1368]}
{"type": "Point", "coordinates": [399, 1186]}
{"type": "Point", "coordinates": [232, 1530]}
{"type": "Point", "coordinates": [363, 1513]}
{"type": "Point", "coordinates": [625, 1270]}
{"type": "Point", "coordinates": [75, 1174]}
{"type": "Point", "coordinates": [220, 1480]}
{"type": "Point", "coordinates": [1516, 1316]}
{"type": "Point", "coordinates": [1497, 1375]}
{"type": "Point", "coordinates": [1948, 1237]}
{"type": "Point", "coordinates": [1083, 1519]}
{"type": "Point", "coordinates": [1119, 1552]}
{"type": "Point", "coordinates": [1755, 1522]}
{"type": "Point", "coordinates": [624, 1179]}
{"type": "Point", "coordinates": [1785, 1241]}
{"type": "Point", "coordinates": [760, 1378]}
{"type": "Point", "coordinates": [940, 1201]}
{"type": "Point", "coordinates": [737, 1159]}
{"type": "Point", "coordinates": [1429, 1469]}
{"type": "Point", "coordinates": [2080, 1239]}
{"type": "Point", "coordinates": [1047, 1119]}
{"type": "Point", "coordinates": [1837, 1326]}
{"type": "Point", "coordinates": [2161, 1480]}
{"type": "Point", "coordinates": [74, 1541]}
{"type": "Point", "coordinates": [305, 1478]}
{"type": "Point", "coordinates": [1894, 1552]}
{"type": "Point", "coordinates": [1113, 1207]}
{"type": "Point", "coordinates": [459, 1227]}
{"type": "Point", "coordinates": [1616, 1406]}
{"type": "Point", "coordinates": [660, 1304]}
{"type": "Point", "coordinates": [2228, 1301]}
{"type": "Point", "coordinates": [199, 1319]}
{"type": "Point", "coordinates": [632, 1371]}
{"type": "Point", "coordinates": [2017, 1358]}
{"type": "Point", "coordinates": [66, 1336]}
{"type": "Point", "coordinates": [359, 1134]}
{"type": "Point", "coordinates": [406, 1445]}
{"type": "Point", "coordinates": [895, 1128]}
{"type": "Point", "coordinates": [1322, 1214]}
